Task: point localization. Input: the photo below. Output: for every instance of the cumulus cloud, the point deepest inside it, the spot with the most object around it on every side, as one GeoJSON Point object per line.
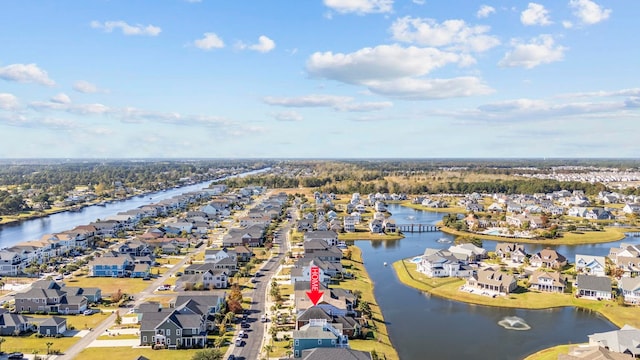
{"type": "Point", "coordinates": [8, 101]}
{"type": "Point", "coordinates": [338, 103]}
{"type": "Point", "coordinates": [287, 116]}
{"type": "Point", "coordinates": [485, 11]}
{"type": "Point", "coordinates": [429, 89]}
{"type": "Point", "coordinates": [384, 62]}
{"type": "Point", "coordinates": [540, 50]}
{"type": "Point", "coordinates": [621, 92]}
{"type": "Point", "coordinates": [209, 41]}
{"type": "Point", "coordinates": [264, 45]}
{"type": "Point", "coordinates": [25, 73]}
{"type": "Point", "coordinates": [86, 87]}
{"type": "Point", "coordinates": [110, 26]}
{"type": "Point", "coordinates": [396, 71]}
{"type": "Point", "coordinates": [456, 33]}
{"type": "Point", "coordinates": [360, 7]}
{"type": "Point", "coordinates": [535, 14]}
{"type": "Point", "coordinates": [567, 24]}
{"type": "Point", "coordinates": [61, 98]}
{"type": "Point", "coordinates": [589, 12]}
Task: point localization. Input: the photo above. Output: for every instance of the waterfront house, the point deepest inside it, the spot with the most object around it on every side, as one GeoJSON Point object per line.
{"type": "Point", "coordinates": [349, 224]}
{"type": "Point", "coordinates": [350, 326]}
{"type": "Point", "coordinates": [624, 341]}
{"type": "Point", "coordinates": [334, 354]}
{"type": "Point", "coordinates": [10, 263]}
{"type": "Point", "coordinates": [593, 287]}
{"type": "Point", "coordinates": [513, 251]}
{"type": "Point", "coordinates": [330, 237]}
{"type": "Point", "coordinates": [630, 266]}
{"type": "Point", "coordinates": [318, 334]}
{"type": "Point", "coordinates": [593, 352]}
{"type": "Point", "coordinates": [548, 258]}
{"type": "Point", "coordinates": [588, 264]}
{"type": "Point", "coordinates": [335, 301]}
{"type": "Point", "coordinates": [625, 250]}
{"type": "Point", "coordinates": [489, 280]}
{"type": "Point", "coordinates": [442, 263]}
{"type": "Point", "coordinates": [468, 252]}
{"type": "Point", "coordinates": [547, 281]}
{"type": "Point", "coordinates": [630, 289]}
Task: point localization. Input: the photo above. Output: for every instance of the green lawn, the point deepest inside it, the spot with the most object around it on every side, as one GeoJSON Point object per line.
{"type": "Point", "coordinates": [550, 353]}
{"type": "Point", "coordinates": [27, 344]}
{"type": "Point", "coordinates": [131, 353]}
{"type": "Point", "coordinates": [110, 285]}
{"type": "Point", "coordinates": [609, 234]}
{"type": "Point", "coordinates": [80, 322]}
{"type": "Point", "coordinates": [362, 283]}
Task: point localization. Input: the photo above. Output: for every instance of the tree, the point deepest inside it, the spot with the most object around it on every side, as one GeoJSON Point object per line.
{"type": "Point", "coordinates": [49, 344]}
{"type": "Point", "coordinates": [218, 342]}
{"type": "Point", "coordinates": [235, 294]}
{"type": "Point", "coordinates": [268, 348]}
{"type": "Point", "coordinates": [234, 307]}
{"type": "Point", "coordinates": [1, 341]}
{"type": "Point", "coordinates": [208, 354]}
{"type": "Point", "coordinates": [118, 318]}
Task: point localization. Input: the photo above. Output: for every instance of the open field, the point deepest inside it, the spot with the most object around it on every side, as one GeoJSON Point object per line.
{"type": "Point", "coordinates": [362, 283]}
{"type": "Point", "coordinates": [109, 285]}
{"type": "Point", "coordinates": [133, 353]}
{"type": "Point", "coordinates": [619, 315]}
{"type": "Point", "coordinates": [29, 344]}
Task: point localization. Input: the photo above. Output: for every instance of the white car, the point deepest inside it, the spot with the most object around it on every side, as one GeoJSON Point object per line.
{"type": "Point", "coordinates": [87, 312]}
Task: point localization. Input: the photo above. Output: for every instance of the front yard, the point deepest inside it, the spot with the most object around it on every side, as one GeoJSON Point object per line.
{"type": "Point", "coordinates": [109, 285]}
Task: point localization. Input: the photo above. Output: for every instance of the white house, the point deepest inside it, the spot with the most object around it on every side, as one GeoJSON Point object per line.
{"type": "Point", "coordinates": [593, 287]}
{"type": "Point", "coordinates": [442, 263]}
{"type": "Point", "coordinates": [593, 265]}
{"type": "Point", "coordinates": [630, 289]}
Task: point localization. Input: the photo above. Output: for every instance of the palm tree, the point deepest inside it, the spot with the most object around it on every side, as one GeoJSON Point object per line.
{"type": "Point", "coordinates": [49, 344]}
{"type": "Point", "coordinates": [229, 317]}
{"type": "Point", "coordinates": [268, 348]}
{"type": "Point", "coordinates": [1, 341]}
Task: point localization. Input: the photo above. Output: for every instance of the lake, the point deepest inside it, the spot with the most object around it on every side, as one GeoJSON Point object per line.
{"type": "Point", "coordinates": [428, 327]}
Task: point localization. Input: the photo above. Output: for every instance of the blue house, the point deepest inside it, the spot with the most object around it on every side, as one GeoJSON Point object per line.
{"type": "Point", "coordinates": [110, 266]}
{"type": "Point", "coordinates": [318, 334]}
{"type": "Point", "coordinates": [140, 270]}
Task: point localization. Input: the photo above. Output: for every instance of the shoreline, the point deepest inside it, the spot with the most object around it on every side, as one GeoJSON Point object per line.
{"type": "Point", "coordinates": [448, 288]}
{"type": "Point", "coordinates": [610, 234]}
{"type": "Point", "coordinates": [382, 344]}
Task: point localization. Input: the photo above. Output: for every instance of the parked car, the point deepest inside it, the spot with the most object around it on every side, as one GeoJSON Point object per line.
{"type": "Point", "coordinates": [87, 312]}
{"type": "Point", "coordinates": [16, 355]}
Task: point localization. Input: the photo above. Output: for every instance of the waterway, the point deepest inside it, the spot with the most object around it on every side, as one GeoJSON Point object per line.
{"type": "Point", "coordinates": [428, 327]}
{"type": "Point", "coordinates": [11, 234]}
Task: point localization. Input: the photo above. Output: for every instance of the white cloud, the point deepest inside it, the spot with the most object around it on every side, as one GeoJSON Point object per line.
{"type": "Point", "coordinates": [209, 41]}
{"type": "Point", "coordinates": [338, 103]}
{"type": "Point", "coordinates": [567, 24]}
{"type": "Point", "coordinates": [287, 116]}
{"type": "Point", "coordinates": [61, 98]}
{"type": "Point", "coordinates": [419, 2]}
{"type": "Point", "coordinates": [58, 104]}
{"type": "Point", "coordinates": [384, 62]}
{"type": "Point", "coordinates": [109, 26]}
{"type": "Point", "coordinates": [86, 87]}
{"type": "Point", "coordinates": [429, 32]}
{"type": "Point", "coordinates": [428, 89]}
{"type": "Point", "coordinates": [485, 11]}
{"type": "Point", "coordinates": [623, 92]}
{"type": "Point", "coordinates": [540, 50]}
{"type": "Point", "coordinates": [25, 73]}
{"type": "Point", "coordinates": [589, 12]}
{"type": "Point", "coordinates": [264, 45]}
{"type": "Point", "coordinates": [535, 14]}
{"type": "Point", "coordinates": [360, 7]}
{"type": "Point", "coordinates": [8, 101]}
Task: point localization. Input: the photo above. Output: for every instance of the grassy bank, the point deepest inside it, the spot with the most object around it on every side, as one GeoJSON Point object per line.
{"type": "Point", "coordinates": [449, 288]}
{"type": "Point", "coordinates": [361, 282]}
{"type": "Point", "coordinates": [550, 353]}
{"type": "Point", "coordinates": [609, 234]}
{"type": "Point", "coordinates": [453, 209]}
{"type": "Point", "coordinates": [366, 235]}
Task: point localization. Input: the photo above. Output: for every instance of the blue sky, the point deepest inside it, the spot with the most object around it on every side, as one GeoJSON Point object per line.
{"type": "Point", "coordinates": [319, 78]}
